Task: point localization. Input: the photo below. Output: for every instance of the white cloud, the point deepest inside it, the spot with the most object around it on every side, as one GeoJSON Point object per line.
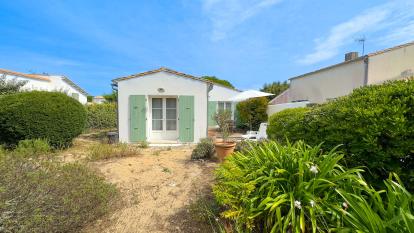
{"type": "Point", "coordinates": [394, 21]}
{"type": "Point", "coordinates": [225, 15]}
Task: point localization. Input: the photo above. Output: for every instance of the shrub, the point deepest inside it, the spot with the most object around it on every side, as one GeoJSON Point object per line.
{"type": "Point", "coordinates": [101, 116]}
{"type": "Point", "coordinates": [274, 188]}
{"type": "Point", "coordinates": [252, 112]}
{"type": "Point", "coordinates": [32, 148]}
{"type": "Point", "coordinates": [108, 151]}
{"type": "Point", "coordinates": [52, 116]}
{"type": "Point", "coordinates": [374, 124]}
{"type": "Point", "coordinates": [287, 124]}
{"type": "Point", "coordinates": [204, 149]}
{"type": "Point", "coordinates": [44, 196]}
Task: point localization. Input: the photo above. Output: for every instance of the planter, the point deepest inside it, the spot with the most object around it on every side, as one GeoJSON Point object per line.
{"type": "Point", "coordinates": [224, 149]}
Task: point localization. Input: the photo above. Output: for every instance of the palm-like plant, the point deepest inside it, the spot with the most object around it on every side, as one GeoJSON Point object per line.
{"type": "Point", "coordinates": [274, 188]}
{"type": "Point", "coordinates": [389, 210]}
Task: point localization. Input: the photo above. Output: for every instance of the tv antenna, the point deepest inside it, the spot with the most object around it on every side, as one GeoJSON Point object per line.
{"type": "Point", "coordinates": [362, 40]}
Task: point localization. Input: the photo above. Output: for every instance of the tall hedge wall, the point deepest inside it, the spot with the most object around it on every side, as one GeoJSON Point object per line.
{"type": "Point", "coordinates": [101, 116]}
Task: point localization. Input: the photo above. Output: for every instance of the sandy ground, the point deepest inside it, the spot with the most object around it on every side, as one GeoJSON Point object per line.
{"type": "Point", "coordinates": [156, 188]}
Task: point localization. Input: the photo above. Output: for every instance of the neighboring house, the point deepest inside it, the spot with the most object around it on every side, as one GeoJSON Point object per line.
{"type": "Point", "coordinates": [164, 105]}
{"type": "Point", "coordinates": [338, 80]}
{"type": "Point", "coordinates": [47, 83]}
{"type": "Point", "coordinates": [98, 99]}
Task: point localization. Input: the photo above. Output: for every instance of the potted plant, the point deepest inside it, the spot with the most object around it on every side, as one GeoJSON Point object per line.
{"type": "Point", "coordinates": [224, 147]}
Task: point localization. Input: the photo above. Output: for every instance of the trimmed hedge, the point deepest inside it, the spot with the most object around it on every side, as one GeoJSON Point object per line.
{"type": "Point", "coordinates": [374, 124]}
{"type": "Point", "coordinates": [52, 116]}
{"type": "Point", "coordinates": [252, 112]}
{"type": "Point", "coordinates": [287, 124]}
{"type": "Point", "coordinates": [101, 116]}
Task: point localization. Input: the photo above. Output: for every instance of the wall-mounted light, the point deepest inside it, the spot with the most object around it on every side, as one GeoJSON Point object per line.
{"type": "Point", "coordinates": [161, 90]}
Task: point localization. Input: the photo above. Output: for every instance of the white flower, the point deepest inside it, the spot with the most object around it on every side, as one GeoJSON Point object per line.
{"type": "Point", "coordinates": [345, 205]}
{"type": "Point", "coordinates": [298, 205]}
{"type": "Point", "coordinates": [312, 203]}
{"type": "Point", "coordinates": [314, 169]}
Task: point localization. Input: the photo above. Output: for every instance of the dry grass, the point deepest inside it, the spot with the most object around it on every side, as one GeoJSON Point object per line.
{"type": "Point", "coordinates": [107, 151]}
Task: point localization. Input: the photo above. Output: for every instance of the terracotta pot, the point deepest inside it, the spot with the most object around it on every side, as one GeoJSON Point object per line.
{"type": "Point", "coordinates": [224, 149]}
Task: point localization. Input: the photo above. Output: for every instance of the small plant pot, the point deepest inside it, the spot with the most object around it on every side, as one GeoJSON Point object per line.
{"type": "Point", "coordinates": [224, 149]}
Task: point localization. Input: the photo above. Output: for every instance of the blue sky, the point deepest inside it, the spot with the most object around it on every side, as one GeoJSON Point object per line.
{"type": "Point", "coordinates": [248, 42]}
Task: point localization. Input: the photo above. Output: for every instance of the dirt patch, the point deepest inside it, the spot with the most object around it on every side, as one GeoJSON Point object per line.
{"type": "Point", "coordinates": [156, 189]}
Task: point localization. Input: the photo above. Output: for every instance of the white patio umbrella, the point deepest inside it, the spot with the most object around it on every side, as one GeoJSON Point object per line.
{"type": "Point", "coordinates": [249, 94]}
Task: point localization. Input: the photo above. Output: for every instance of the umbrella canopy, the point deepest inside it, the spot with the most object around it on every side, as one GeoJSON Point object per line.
{"type": "Point", "coordinates": [249, 94]}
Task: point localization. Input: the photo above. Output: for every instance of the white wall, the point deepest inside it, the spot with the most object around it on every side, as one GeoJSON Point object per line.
{"type": "Point", "coordinates": [55, 84]}
{"type": "Point", "coordinates": [390, 65]}
{"type": "Point", "coordinates": [219, 93]}
{"type": "Point", "coordinates": [272, 109]}
{"type": "Point", "coordinates": [173, 86]}
{"type": "Point", "coordinates": [328, 84]}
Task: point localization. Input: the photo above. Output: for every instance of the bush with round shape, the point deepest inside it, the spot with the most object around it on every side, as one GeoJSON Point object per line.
{"type": "Point", "coordinates": [276, 188]}
{"type": "Point", "coordinates": [287, 124]}
{"type": "Point", "coordinates": [204, 149]}
{"type": "Point", "coordinates": [52, 116]}
{"type": "Point", "coordinates": [101, 116]}
{"type": "Point", "coordinates": [252, 112]}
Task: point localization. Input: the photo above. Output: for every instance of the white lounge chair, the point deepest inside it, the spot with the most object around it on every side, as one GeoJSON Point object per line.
{"type": "Point", "coordinates": [256, 135]}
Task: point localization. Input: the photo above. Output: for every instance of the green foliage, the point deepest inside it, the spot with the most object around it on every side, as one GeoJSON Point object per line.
{"type": "Point", "coordinates": [389, 210]}
{"type": "Point", "coordinates": [111, 98]}
{"type": "Point", "coordinates": [275, 88]}
{"type": "Point", "coordinates": [287, 124]}
{"type": "Point", "coordinates": [101, 116]}
{"type": "Point", "coordinates": [252, 112]}
{"type": "Point", "coordinates": [223, 82]}
{"type": "Point", "coordinates": [52, 116]}
{"type": "Point", "coordinates": [89, 98]}
{"type": "Point", "coordinates": [107, 151]}
{"type": "Point", "coordinates": [223, 120]}
{"type": "Point", "coordinates": [10, 86]}
{"type": "Point", "coordinates": [274, 188]}
{"type": "Point", "coordinates": [204, 149]}
{"type": "Point", "coordinates": [374, 125]}
{"type": "Point", "coordinates": [39, 195]}
{"type": "Point", "coordinates": [32, 148]}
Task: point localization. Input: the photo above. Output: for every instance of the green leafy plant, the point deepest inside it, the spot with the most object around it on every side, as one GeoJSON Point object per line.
{"type": "Point", "coordinates": [101, 116]}
{"type": "Point", "coordinates": [252, 112]}
{"type": "Point", "coordinates": [275, 188]}
{"type": "Point", "coordinates": [32, 147]}
{"type": "Point", "coordinates": [275, 88]}
{"type": "Point", "coordinates": [223, 82]}
{"type": "Point", "coordinates": [204, 149]}
{"type": "Point", "coordinates": [52, 116]}
{"type": "Point", "coordinates": [389, 210]}
{"type": "Point", "coordinates": [374, 125]}
{"type": "Point", "coordinates": [38, 195]}
{"type": "Point", "coordinates": [10, 86]}
{"type": "Point", "coordinates": [107, 151]}
{"type": "Point", "coordinates": [287, 124]}
{"type": "Point", "coordinates": [223, 120]}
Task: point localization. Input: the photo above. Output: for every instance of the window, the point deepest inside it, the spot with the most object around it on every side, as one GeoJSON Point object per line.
{"type": "Point", "coordinates": [171, 113]}
{"type": "Point", "coordinates": [157, 114]}
{"type": "Point", "coordinates": [225, 106]}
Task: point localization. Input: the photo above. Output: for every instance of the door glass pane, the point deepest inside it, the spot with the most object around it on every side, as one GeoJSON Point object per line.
{"type": "Point", "coordinates": [221, 106]}
{"type": "Point", "coordinates": [156, 124]}
{"type": "Point", "coordinates": [156, 103]}
{"type": "Point", "coordinates": [228, 106]}
{"type": "Point", "coordinates": [171, 114]}
{"type": "Point", "coordinates": [171, 103]}
{"type": "Point", "coordinates": [171, 124]}
{"type": "Point", "coordinates": [157, 114]}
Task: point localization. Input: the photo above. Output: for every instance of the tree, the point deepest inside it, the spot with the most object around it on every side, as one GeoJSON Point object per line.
{"type": "Point", "coordinates": [275, 88]}
{"type": "Point", "coordinates": [10, 86]}
{"type": "Point", "coordinates": [111, 98]}
{"type": "Point", "coordinates": [252, 112]}
{"type": "Point", "coordinates": [214, 79]}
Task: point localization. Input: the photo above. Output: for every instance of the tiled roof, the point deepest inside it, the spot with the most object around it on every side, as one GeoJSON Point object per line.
{"type": "Point", "coordinates": [31, 76]}
{"type": "Point", "coordinates": [167, 70]}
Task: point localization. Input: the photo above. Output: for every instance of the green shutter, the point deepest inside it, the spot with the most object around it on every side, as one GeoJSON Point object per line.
{"type": "Point", "coordinates": [137, 110]}
{"type": "Point", "coordinates": [186, 118]}
{"type": "Point", "coordinates": [212, 108]}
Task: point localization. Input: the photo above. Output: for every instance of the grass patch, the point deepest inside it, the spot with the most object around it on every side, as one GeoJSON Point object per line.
{"type": "Point", "coordinates": [42, 195]}
{"type": "Point", "coordinates": [108, 151]}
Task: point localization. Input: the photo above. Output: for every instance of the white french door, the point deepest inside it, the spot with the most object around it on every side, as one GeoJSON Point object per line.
{"type": "Point", "coordinates": [164, 124]}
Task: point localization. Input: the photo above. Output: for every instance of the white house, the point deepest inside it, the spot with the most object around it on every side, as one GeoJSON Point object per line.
{"type": "Point", "coordinates": [340, 79]}
{"type": "Point", "coordinates": [164, 105]}
{"type": "Point", "coordinates": [47, 83]}
{"type": "Point", "coordinates": [98, 99]}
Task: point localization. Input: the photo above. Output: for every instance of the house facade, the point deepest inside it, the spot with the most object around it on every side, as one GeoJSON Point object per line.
{"type": "Point", "coordinates": [166, 106]}
{"type": "Point", "coordinates": [341, 79]}
{"type": "Point", "coordinates": [36, 82]}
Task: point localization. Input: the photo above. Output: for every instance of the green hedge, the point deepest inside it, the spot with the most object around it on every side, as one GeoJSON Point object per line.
{"type": "Point", "coordinates": [287, 124]}
{"type": "Point", "coordinates": [101, 116]}
{"type": "Point", "coordinates": [252, 112]}
{"type": "Point", "coordinates": [52, 116]}
{"type": "Point", "coordinates": [374, 125]}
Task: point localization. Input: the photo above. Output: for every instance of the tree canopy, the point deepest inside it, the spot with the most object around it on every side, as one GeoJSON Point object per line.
{"type": "Point", "coordinates": [214, 79]}
{"type": "Point", "coordinates": [10, 86]}
{"type": "Point", "coordinates": [275, 88]}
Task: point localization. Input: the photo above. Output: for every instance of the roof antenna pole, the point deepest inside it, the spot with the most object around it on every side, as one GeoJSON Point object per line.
{"type": "Point", "coordinates": [362, 41]}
